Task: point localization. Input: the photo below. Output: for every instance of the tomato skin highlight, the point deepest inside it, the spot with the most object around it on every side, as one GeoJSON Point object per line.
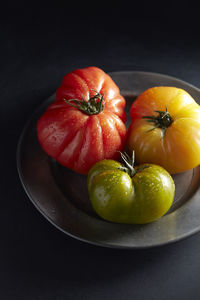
{"type": "Point", "coordinates": [179, 149]}
{"type": "Point", "coordinates": [74, 138]}
{"type": "Point", "coordinates": [116, 197]}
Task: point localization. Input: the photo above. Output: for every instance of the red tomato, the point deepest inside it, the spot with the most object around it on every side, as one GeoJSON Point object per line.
{"type": "Point", "coordinates": [86, 122]}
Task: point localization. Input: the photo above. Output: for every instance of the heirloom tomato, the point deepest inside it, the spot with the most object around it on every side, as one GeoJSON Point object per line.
{"type": "Point", "coordinates": [127, 194]}
{"type": "Point", "coordinates": [165, 129]}
{"type": "Point", "coordinates": [86, 122]}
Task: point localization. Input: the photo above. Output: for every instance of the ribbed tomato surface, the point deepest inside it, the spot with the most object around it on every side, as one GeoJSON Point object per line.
{"type": "Point", "coordinates": [75, 138]}
{"type": "Point", "coordinates": [176, 146]}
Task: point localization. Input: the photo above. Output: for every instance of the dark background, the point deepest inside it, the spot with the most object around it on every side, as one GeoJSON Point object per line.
{"type": "Point", "coordinates": [39, 45]}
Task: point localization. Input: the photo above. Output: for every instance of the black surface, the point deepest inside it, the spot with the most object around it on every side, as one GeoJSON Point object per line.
{"type": "Point", "coordinates": [38, 46]}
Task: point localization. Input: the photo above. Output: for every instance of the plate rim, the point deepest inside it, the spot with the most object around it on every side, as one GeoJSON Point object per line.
{"type": "Point", "coordinates": [157, 74]}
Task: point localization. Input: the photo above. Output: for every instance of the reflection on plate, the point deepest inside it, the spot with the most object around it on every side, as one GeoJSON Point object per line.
{"type": "Point", "coordinates": [61, 194]}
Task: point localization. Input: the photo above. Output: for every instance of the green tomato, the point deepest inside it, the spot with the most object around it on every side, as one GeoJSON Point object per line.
{"type": "Point", "coordinates": [141, 198]}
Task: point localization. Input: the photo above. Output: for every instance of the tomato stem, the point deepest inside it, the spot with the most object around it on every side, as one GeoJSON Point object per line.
{"type": "Point", "coordinates": [93, 106]}
{"type": "Point", "coordinates": [129, 162]}
{"type": "Point", "coordinates": [163, 120]}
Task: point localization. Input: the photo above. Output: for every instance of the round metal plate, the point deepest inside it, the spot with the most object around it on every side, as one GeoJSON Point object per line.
{"type": "Point", "coordinates": [61, 195]}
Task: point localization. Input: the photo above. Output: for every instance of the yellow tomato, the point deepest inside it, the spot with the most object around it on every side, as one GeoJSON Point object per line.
{"type": "Point", "coordinates": [165, 129]}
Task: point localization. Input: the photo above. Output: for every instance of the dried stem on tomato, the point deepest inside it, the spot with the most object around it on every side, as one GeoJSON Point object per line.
{"type": "Point", "coordinates": [93, 106]}
{"type": "Point", "coordinates": [163, 120]}
{"type": "Point", "coordinates": [129, 164]}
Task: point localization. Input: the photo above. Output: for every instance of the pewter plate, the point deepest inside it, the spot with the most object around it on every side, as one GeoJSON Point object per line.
{"type": "Point", "coordinates": [62, 198]}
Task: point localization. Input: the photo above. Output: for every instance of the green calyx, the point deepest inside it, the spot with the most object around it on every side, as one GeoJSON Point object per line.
{"type": "Point", "coordinates": [163, 120]}
{"type": "Point", "coordinates": [93, 106]}
{"type": "Point", "coordinates": [129, 164]}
